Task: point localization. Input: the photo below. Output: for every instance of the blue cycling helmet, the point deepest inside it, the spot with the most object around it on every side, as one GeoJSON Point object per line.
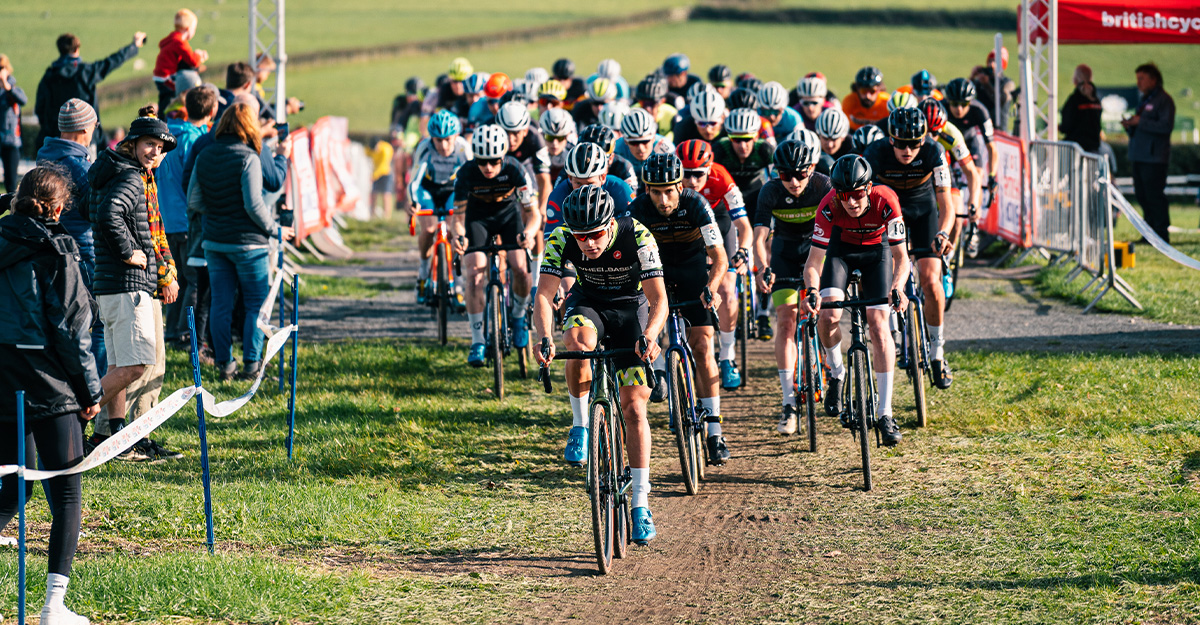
{"type": "Point", "coordinates": [475, 83]}
{"type": "Point", "coordinates": [444, 124]}
{"type": "Point", "coordinates": [676, 64]}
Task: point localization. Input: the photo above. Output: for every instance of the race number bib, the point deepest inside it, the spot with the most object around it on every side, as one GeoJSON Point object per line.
{"type": "Point", "coordinates": [648, 257]}
{"type": "Point", "coordinates": [712, 236]}
{"type": "Point", "coordinates": [895, 230]}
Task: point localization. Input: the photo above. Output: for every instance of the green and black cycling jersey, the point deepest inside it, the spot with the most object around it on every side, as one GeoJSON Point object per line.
{"type": "Point", "coordinates": [501, 195]}
{"type": "Point", "coordinates": [683, 236]}
{"type": "Point", "coordinates": [616, 276]}
{"type": "Point", "coordinates": [915, 183]}
{"type": "Point", "coordinates": [794, 216]}
{"type": "Point", "coordinates": [750, 174]}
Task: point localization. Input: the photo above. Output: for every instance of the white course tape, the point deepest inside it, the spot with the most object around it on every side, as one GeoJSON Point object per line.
{"type": "Point", "coordinates": [225, 408]}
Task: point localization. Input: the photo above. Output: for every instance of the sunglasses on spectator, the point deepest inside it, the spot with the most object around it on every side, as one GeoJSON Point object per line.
{"type": "Point", "coordinates": [810, 102]}
{"type": "Point", "coordinates": [589, 236]}
{"type": "Point", "coordinates": [555, 137]}
{"type": "Point", "coordinates": [788, 176]}
{"type": "Point", "coordinates": [706, 124]}
{"type": "Point", "coordinates": [695, 173]}
{"type": "Point", "coordinates": [741, 139]}
{"type": "Point", "coordinates": [488, 162]}
{"type": "Point", "coordinates": [907, 144]}
{"type": "Point", "coordinates": [856, 194]}
{"type": "Point", "coordinates": [637, 141]}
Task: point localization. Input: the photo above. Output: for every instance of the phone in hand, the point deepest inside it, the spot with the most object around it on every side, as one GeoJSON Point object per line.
{"type": "Point", "coordinates": [282, 129]}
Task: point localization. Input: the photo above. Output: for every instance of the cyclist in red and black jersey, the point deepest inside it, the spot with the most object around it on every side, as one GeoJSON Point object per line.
{"type": "Point", "coordinates": [853, 221]}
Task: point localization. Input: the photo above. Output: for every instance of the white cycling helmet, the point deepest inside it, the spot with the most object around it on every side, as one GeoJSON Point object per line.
{"type": "Point", "coordinates": [490, 141]}
{"type": "Point", "coordinates": [556, 123]}
{"type": "Point", "coordinates": [537, 75]}
{"type": "Point", "coordinates": [743, 123]}
{"type": "Point", "coordinates": [695, 90]}
{"type": "Point", "coordinates": [832, 123]}
{"type": "Point", "coordinates": [638, 124]}
{"type": "Point", "coordinates": [901, 100]}
{"type": "Point", "coordinates": [773, 96]}
{"type": "Point", "coordinates": [586, 160]}
{"type": "Point", "coordinates": [807, 137]}
{"type": "Point", "coordinates": [812, 87]}
{"type": "Point", "coordinates": [612, 114]}
{"type": "Point", "coordinates": [609, 68]}
{"type": "Point", "coordinates": [513, 116]}
{"type": "Point", "coordinates": [708, 106]}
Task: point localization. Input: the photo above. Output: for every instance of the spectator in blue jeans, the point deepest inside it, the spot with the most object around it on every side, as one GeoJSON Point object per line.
{"type": "Point", "coordinates": [226, 187]}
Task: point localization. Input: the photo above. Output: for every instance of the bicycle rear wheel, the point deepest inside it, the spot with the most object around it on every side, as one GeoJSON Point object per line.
{"type": "Point", "coordinates": [916, 372]}
{"type": "Point", "coordinates": [602, 477]}
{"type": "Point", "coordinates": [860, 389]}
{"type": "Point", "coordinates": [442, 258]}
{"type": "Point", "coordinates": [812, 379]}
{"type": "Point", "coordinates": [495, 299]}
{"type": "Point", "coordinates": [681, 406]}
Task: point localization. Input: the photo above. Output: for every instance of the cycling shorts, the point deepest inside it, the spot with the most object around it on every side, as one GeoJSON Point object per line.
{"type": "Point", "coordinates": [921, 231]}
{"type": "Point", "coordinates": [686, 283]}
{"type": "Point", "coordinates": [874, 261]}
{"type": "Point", "coordinates": [507, 224]}
{"type": "Point", "coordinates": [787, 263]}
{"type": "Point", "coordinates": [619, 326]}
{"type": "Point", "coordinates": [425, 201]}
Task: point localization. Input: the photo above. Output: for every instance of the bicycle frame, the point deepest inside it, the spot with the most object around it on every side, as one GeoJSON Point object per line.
{"type": "Point", "coordinates": [441, 236]}
{"type": "Point", "coordinates": [677, 337]}
{"type": "Point", "coordinates": [912, 290]}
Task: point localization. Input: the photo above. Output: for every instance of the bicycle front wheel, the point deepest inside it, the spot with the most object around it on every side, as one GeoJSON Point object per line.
{"type": "Point", "coordinates": [812, 379]}
{"type": "Point", "coordinates": [746, 321]}
{"type": "Point", "coordinates": [602, 475]}
{"type": "Point", "coordinates": [916, 371]}
{"type": "Point", "coordinates": [681, 406]}
{"type": "Point", "coordinates": [861, 390]}
{"type": "Point", "coordinates": [442, 258]}
{"type": "Point", "coordinates": [495, 312]}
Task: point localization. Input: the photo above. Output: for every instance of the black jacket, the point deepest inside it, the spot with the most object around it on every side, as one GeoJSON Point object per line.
{"type": "Point", "coordinates": [45, 322]}
{"type": "Point", "coordinates": [1081, 119]}
{"type": "Point", "coordinates": [69, 77]}
{"type": "Point", "coordinates": [122, 225]}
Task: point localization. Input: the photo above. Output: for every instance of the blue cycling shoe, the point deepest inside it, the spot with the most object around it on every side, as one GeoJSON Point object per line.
{"type": "Point", "coordinates": [643, 526]}
{"type": "Point", "coordinates": [520, 331]}
{"type": "Point", "coordinates": [477, 355]}
{"type": "Point", "coordinates": [421, 292]}
{"type": "Point", "coordinates": [577, 444]}
{"type": "Point", "coordinates": [731, 378]}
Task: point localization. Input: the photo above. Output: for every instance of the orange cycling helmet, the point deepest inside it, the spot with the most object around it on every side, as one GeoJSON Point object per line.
{"type": "Point", "coordinates": [695, 154]}
{"type": "Point", "coordinates": [498, 85]}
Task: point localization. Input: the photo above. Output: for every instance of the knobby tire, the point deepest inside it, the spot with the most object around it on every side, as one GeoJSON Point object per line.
{"type": "Point", "coordinates": [442, 258]}
{"type": "Point", "coordinates": [495, 310]}
{"type": "Point", "coordinates": [916, 368]}
{"type": "Point", "coordinates": [861, 390]}
{"type": "Point", "coordinates": [602, 477]}
{"type": "Point", "coordinates": [678, 402]}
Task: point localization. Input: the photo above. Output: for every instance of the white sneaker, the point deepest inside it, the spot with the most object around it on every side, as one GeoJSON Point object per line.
{"type": "Point", "coordinates": [787, 422]}
{"type": "Point", "coordinates": [62, 616]}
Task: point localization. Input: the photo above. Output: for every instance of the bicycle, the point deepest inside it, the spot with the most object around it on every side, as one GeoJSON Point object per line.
{"type": "Point", "coordinates": [913, 352]}
{"type": "Point", "coordinates": [609, 477]}
{"type": "Point", "coordinates": [747, 327]}
{"type": "Point", "coordinates": [444, 298]}
{"type": "Point", "coordinates": [858, 392]}
{"type": "Point", "coordinates": [683, 410]}
{"type": "Point", "coordinates": [953, 261]}
{"type": "Point", "coordinates": [808, 378]}
{"type": "Point", "coordinates": [497, 334]}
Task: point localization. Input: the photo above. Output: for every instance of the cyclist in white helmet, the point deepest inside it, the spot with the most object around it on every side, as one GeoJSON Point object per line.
{"type": "Point", "coordinates": [558, 129]}
{"type": "Point", "coordinates": [811, 101]}
{"type": "Point", "coordinates": [640, 138]}
{"type": "Point", "coordinates": [706, 114]}
{"type": "Point", "coordinates": [529, 148]}
{"type": "Point", "coordinates": [612, 114]}
{"type": "Point", "coordinates": [774, 109]}
{"type": "Point", "coordinates": [833, 127]}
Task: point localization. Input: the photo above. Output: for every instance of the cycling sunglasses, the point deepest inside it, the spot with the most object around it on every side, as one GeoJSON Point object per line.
{"type": "Point", "coordinates": [811, 102]}
{"type": "Point", "coordinates": [495, 101]}
{"type": "Point", "coordinates": [856, 194]}
{"type": "Point", "coordinates": [907, 144]}
{"type": "Point", "coordinates": [489, 162]}
{"type": "Point", "coordinates": [648, 103]}
{"type": "Point", "coordinates": [788, 176]}
{"type": "Point", "coordinates": [555, 137]}
{"type": "Point", "coordinates": [549, 101]}
{"type": "Point", "coordinates": [707, 124]}
{"type": "Point", "coordinates": [637, 141]}
{"type": "Point", "coordinates": [695, 173]}
{"type": "Point", "coordinates": [765, 112]}
{"type": "Point", "coordinates": [589, 236]}
{"type": "Point", "coordinates": [741, 139]}
{"type": "Point", "coordinates": [957, 103]}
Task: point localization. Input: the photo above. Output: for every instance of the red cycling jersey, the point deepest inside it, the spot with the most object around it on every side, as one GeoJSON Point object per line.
{"type": "Point", "coordinates": [868, 230]}
{"type": "Point", "coordinates": [723, 194]}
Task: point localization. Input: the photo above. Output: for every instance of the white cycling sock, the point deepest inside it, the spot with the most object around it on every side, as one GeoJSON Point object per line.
{"type": "Point", "coordinates": [883, 384]}
{"type": "Point", "coordinates": [713, 406]}
{"type": "Point", "coordinates": [787, 385]}
{"type": "Point", "coordinates": [423, 271]}
{"type": "Point", "coordinates": [660, 363]}
{"type": "Point", "coordinates": [579, 407]}
{"type": "Point", "coordinates": [640, 491]}
{"type": "Point", "coordinates": [727, 345]}
{"type": "Point", "coordinates": [519, 306]}
{"type": "Point", "coordinates": [833, 358]}
{"type": "Point", "coordinates": [476, 321]}
{"type": "Point", "coordinates": [56, 591]}
{"type": "Point", "coordinates": [936, 343]}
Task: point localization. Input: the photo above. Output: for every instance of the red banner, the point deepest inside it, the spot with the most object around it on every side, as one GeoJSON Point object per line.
{"type": "Point", "coordinates": [1118, 21]}
{"type": "Point", "coordinates": [1007, 217]}
{"type": "Point", "coordinates": [303, 195]}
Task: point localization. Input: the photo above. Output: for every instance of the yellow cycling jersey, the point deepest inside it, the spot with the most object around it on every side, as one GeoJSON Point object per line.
{"type": "Point", "coordinates": [951, 139]}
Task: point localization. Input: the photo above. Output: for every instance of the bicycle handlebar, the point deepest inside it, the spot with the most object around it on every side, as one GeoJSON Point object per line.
{"type": "Point", "coordinates": [596, 353]}
{"type": "Point", "coordinates": [493, 248]}
{"type": "Point", "coordinates": [687, 304]}
{"type": "Point", "coordinates": [857, 303]}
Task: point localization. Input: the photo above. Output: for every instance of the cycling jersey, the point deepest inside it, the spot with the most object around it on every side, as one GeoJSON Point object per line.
{"type": "Point", "coordinates": [787, 123]}
{"type": "Point", "coordinates": [915, 183]}
{"type": "Point", "coordinates": [976, 119]}
{"type": "Point", "coordinates": [533, 152]}
{"type": "Point", "coordinates": [679, 94]}
{"type": "Point", "coordinates": [586, 113]}
{"type": "Point", "coordinates": [434, 173]}
{"type": "Point", "coordinates": [623, 169]}
{"type": "Point", "coordinates": [503, 194]}
{"type": "Point", "coordinates": [685, 130]}
{"type": "Point", "coordinates": [575, 92]}
{"type": "Point", "coordinates": [616, 276]}
{"type": "Point", "coordinates": [616, 188]}
{"type": "Point", "coordinates": [794, 215]}
{"type": "Point", "coordinates": [479, 115]}
{"type": "Point", "coordinates": [750, 174]}
{"type": "Point", "coordinates": [862, 115]}
{"type": "Point", "coordinates": [834, 226]}
{"type": "Point", "coordinates": [724, 196]}
{"type": "Point", "coordinates": [683, 236]}
{"type": "Point", "coordinates": [662, 145]}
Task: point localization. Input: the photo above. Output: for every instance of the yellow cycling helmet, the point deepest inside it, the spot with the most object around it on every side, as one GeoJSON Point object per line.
{"type": "Point", "coordinates": [553, 89]}
{"type": "Point", "coordinates": [460, 68]}
{"type": "Point", "coordinates": [602, 90]}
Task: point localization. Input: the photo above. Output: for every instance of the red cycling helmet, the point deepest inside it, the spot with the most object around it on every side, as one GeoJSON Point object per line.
{"type": "Point", "coordinates": [695, 154]}
{"type": "Point", "coordinates": [935, 114]}
{"type": "Point", "coordinates": [498, 85]}
{"type": "Point", "coordinates": [1003, 58]}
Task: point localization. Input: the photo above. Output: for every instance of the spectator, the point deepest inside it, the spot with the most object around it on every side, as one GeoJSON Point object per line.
{"type": "Point", "coordinates": [12, 98]}
{"type": "Point", "coordinates": [69, 77]}
{"type": "Point", "coordinates": [1081, 112]}
{"type": "Point", "coordinates": [44, 343]}
{"type": "Point", "coordinates": [406, 112]}
{"type": "Point", "coordinates": [185, 80]}
{"type": "Point", "coordinates": [174, 54]}
{"type": "Point", "coordinates": [115, 137]}
{"type": "Point", "coordinates": [1150, 147]}
{"type": "Point", "coordinates": [226, 187]}
{"type": "Point", "coordinates": [383, 178]}
{"type": "Point", "coordinates": [985, 87]}
{"type": "Point", "coordinates": [262, 73]}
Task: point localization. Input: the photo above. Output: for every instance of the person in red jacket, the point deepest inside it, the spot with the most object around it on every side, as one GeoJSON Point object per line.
{"type": "Point", "coordinates": [174, 54]}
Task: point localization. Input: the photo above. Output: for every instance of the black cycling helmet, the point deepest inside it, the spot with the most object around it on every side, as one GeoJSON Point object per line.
{"type": "Point", "coordinates": [960, 90]}
{"type": "Point", "coordinates": [652, 88]}
{"type": "Point", "coordinates": [662, 169]}
{"type": "Point", "coordinates": [907, 124]}
{"type": "Point", "coordinates": [742, 78]}
{"type": "Point", "coordinates": [923, 83]}
{"type": "Point", "coordinates": [792, 155]}
{"type": "Point", "coordinates": [720, 74]}
{"type": "Point", "coordinates": [743, 98]}
{"type": "Point", "coordinates": [752, 84]}
{"type": "Point", "coordinates": [587, 208]}
{"type": "Point", "coordinates": [850, 172]}
{"type": "Point", "coordinates": [511, 96]}
{"type": "Point", "coordinates": [563, 69]}
{"type": "Point", "coordinates": [601, 135]}
{"type": "Point", "coordinates": [442, 80]}
{"type": "Point", "coordinates": [414, 86]}
{"type": "Point", "coordinates": [869, 76]}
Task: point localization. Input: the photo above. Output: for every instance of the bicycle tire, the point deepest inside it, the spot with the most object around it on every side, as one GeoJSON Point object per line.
{"type": "Point", "coordinates": [496, 337]}
{"type": "Point", "coordinates": [811, 381]}
{"type": "Point", "coordinates": [679, 400]}
{"type": "Point", "coordinates": [746, 320]}
{"type": "Point", "coordinates": [523, 362]}
{"type": "Point", "coordinates": [916, 372]}
{"type": "Point", "coordinates": [622, 515]}
{"type": "Point", "coordinates": [955, 263]}
{"type": "Point", "coordinates": [442, 258]}
{"type": "Point", "coordinates": [601, 476]}
{"type": "Point", "coordinates": [859, 401]}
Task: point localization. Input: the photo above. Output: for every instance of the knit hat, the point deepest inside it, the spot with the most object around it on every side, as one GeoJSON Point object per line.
{"type": "Point", "coordinates": [186, 79]}
{"type": "Point", "coordinates": [151, 127]}
{"type": "Point", "coordinates": [76, 116]}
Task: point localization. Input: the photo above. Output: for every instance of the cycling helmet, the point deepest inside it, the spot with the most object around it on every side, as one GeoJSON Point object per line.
{"type": "Point", "coordinates": [772, 96]}
{"type": "Point", "coordinates": [475, 82]}
{"type": "Point", "coordinates": [552, 89]}
{"type": "Point", "coordinates": [513, 116]}
{"type": "Point", "coordinates": [556, 123]}
{"type": "Point", "coordinates": [991, 58]}
{"type": "Point", "coordinates": [520, 93]}
{"type": "Point", "coordinates": [720, 74]}
{"type": "Point", "coordinates": [563, 69]}
{"type": "Point", "coordinates": [923, 83]}
{"type": "Point", "coordinates": [587, 209]}
{"type": "Point", "coordinates": [662, 169]}
{"type": "Point", "coordinates": [743, 123]}
{"type": "Point", "coordinates": [807, 137]}
{"type": "Point", "coordinates": [602, 90]}
{"type": "Point", "coordinates": [676, 64]}
{"type": "Point", "coordinates": [743, 98]}
{"type": "Point", "coordinates": [460, 69]}
{"type": "Point", "coordinates": [697, 88]}
{"type": "Point", "coordinates": [850, 172]}
{"type": "Point", "coordinates": [742, 78]}
{"type": "Point", "coordinates": [935, 114]}
{"type": "Point", "coordinates": [638, 124]}
{"type": "Point", "coordinates": [414, 86]}
{"type": "Point", "coordinates": [753, 84]}
{"type": "Point", "coordinates": [608, 68]}
{"type": "Point", "coordinates": [586, 160]}
{"type": "Point", "coordinates": [602, 136]}
{"type": "Point", "coordinates": [832, 123]}
{"type": "Point", "coordinates": [812, 87]}
{"type": "Point", "coordinates": [960, 90]}
{"type": "Point", "coordinates": [792, 155]}
{"type": "Point", "coordinates": [907, 124]}
{"type": "Point", "coordinates": [444, 124]}
{"type": "Point", "coordinates": [489, 141]}
{"type": "Point", "coordinates": [901, 100]}
{"type": "Point", "coordinates": [695, 154]}
{"type": "Point", "coordinates": [497, 85]}
{"type": "Point", "coordinates": [652, 88]}
{"type": "Point", "coordinates": [612, 114]}
{"type": "Point", "coordinates": [869, 76]}
{"type": "Point", "coordinates": [709, 106]}
{"type": "Point", "coordinates": [537, 75]}
{"type": "Point", "coordinates": [864, 136]}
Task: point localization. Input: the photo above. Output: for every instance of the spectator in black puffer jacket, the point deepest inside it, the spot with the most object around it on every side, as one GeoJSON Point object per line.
{"type": "Point", "coordinates": [45, 340]}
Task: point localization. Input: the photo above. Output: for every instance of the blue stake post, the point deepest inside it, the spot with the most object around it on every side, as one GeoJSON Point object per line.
{"type": "Point", "coordinates": [208, 514]}
{"type": "Point", "coordinates": [282, 321]}
{"type": "Point", "coordinates": [295, 344]}
{"type": "Point", "coordinates": [20, 507]}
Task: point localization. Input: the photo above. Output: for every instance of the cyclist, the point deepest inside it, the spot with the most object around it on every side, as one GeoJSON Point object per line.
{"type": "Point", "coordinates": [611, 115]}
{"type": "Point", "coordinates": [529, 148]}
{"type": "Point", "coordinates": [924, 85]}
{"type": "Point", "coordinates": [864, 136]}
{"type": "Point", "coordinates": [600, 91]}
{"type": "Point", "coordinates": [550, 95]}
{"type": "Point", "coordinates": [679, 80]}
{"type": "Point", "coordinates": [620, 298]}
{"type": "Point", "coordinates": [651, 96]}
{"type": "Point", "coordinates": [712, 181]}
{"type": "Point", "coordinates": [564, 74]}
{"type": "Point", "coordinates": [484, 111]}
{"type": "Point", "coordinates": [810, 138]}
{"type": "Point", "coordinates": [971, 118]}
{"type": "Point", "coordinates": [915, 167]}
{"type": "Point", "coordinates": [774, 109]}
{"type": "Point", "coordinates": [472, 93]}
{"type": "Point", "coordinates": [966, 175]}
{"type": "Point", "coordinates": [406, 112]}
{"type": "Point", "coordinates": [868, 102]}
{"type": "Point", "coordinates": [639, 139]}
{"type": "Point", "coordinates": [446, 95]}
{"type": "Point", "coordinates": [586, 164]}
{"type": "Point", "coordinates": [787, 208]}
{"type": "Point", "coordinates": [899, 100]}
{"type": "Point", "coordinates": [611, 70]}
{"type": "Point", "coordinates": [811, 102]}
{"type": "Point", "coordinates": [557, 129]}
{"type": "Point", "coordinates": [493, 195]}
{"type": "Point", "coordinates": [721, 79]}
{"type": "Point", "coordinates": [853, 221]}
{"type": "Point", "coordinates": [618, 167]}
{"type": "Point", "coordinates": [436, 161]}
{"type": "Point", "coordinates": [832, 128]}
{"type": "Point", "coordinates": [707, 111]}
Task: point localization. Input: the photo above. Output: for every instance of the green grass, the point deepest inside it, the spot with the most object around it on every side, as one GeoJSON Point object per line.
{"type": "Point", "coordinates": [378, 235]}
{"type": "Point", "coordinates": [346, 287]}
